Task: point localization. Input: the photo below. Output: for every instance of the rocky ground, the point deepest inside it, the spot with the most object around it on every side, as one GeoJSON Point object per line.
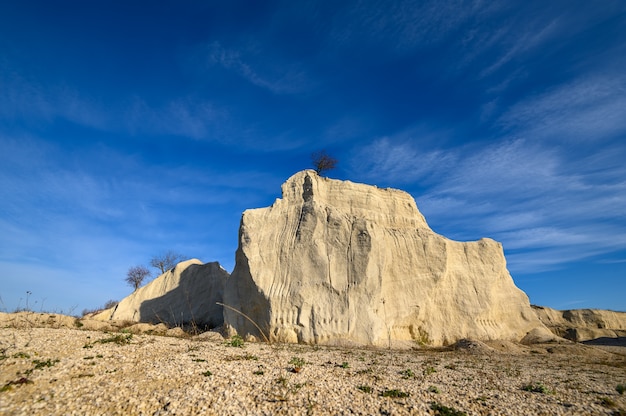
{"type": "Point", "coordinates": [57, 369]}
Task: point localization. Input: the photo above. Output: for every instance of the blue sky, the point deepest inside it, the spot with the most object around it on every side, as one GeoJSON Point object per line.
{"type": "Point", "coordinates": [132, 128]}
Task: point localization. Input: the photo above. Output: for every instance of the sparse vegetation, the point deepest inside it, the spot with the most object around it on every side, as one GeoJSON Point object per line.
{"type": "Point", "coordinates": [434, 389]}
{"type": "Point", "coordinates": [235, 341]}
{"type": "Point", "coordinates": [107, 305]}
{"type": "Point", "coordinates": [441, 410]}
{"type": "Point", "coordinates": [408, 373]}
{"type": "Point", "coordinates": [429, 370]}
{"type": "Point", "coordinates": [621, 388]}
{"type": "Point", "coordinates": [21, 355]}
{"type": "Point", "coordinates": [18, 382]}
{"type": "Point", "coordinates": [42, 364]}
{"type": "Point", "coordinates": [246, 357]}
{"type": "Point", "coordinates": [207, 374]}
{"type": "Point", "coordinates": [119, 339]}
{"type": "Point", "coordinates": [536, 388]}
{"type": "Point", "coordinates": [297, 364]}
{"type": "Point", "coordinates": [607, 402]}
{"type": "Point", "coordinates": [365, 389]}
{"type": "Point", "coordinates": [394, 393]}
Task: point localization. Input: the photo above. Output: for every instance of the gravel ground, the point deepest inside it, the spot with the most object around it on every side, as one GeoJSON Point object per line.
{"type": "Point", "coordinates": [64, 371]}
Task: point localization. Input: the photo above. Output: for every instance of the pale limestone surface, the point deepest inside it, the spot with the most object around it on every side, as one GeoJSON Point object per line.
{"type": "Point", "coordinates": [188, 293]}
{"type": "Point", "coordinates": [335, 262]}
{"type": "Point", "coordinates": [583, 324]}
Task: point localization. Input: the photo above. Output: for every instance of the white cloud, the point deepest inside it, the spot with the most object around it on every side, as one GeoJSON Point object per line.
{"type": "Point", "coordinates": [547, 206]}
{"type": "Point", "coordinates": [589, 108]}
{"type": "Point", "coordinates": [181, 117]}
{"type": "Point", "coordinates": [274, 75]}
{"type": "Point", "coordinates": [28, 100]}
{"type": "Point", "coordinates": [518, 42]}
{"type": "Point", "coordinates": [390, 161]}
{"type": "Point", "coordinates": [404, 26]}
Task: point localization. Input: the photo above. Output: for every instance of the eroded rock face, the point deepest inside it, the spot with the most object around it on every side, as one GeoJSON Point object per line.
{"type": "Point", "coordinates": [185, 294]}
{"type": "Point", "coordinates": [583, 324]}
{"type": "Point", "coordinates": [335, 262]}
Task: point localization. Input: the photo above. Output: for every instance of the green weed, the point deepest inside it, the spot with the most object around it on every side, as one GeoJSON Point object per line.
{"type": "Point", "coordinates": [48, 363]}
{"type": "Point", "coordinates": [394, 393]}
{"type": "Point", "coordinates": [408, 373]}
{"type": "Point", "coordinates": [119, 339]}
{"type": "Point", "coordinates": [235, 341]}
{"type": "Point", "coordinates": [365, 389]}
{"type": "Point", "coordinates": [536, 388]}
{"type": "Point", "coordinates": [442, 410]}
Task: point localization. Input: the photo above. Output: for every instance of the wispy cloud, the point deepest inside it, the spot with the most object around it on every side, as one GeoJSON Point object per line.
{"type": "Point", "coordinates": [181, 117]}
{"type": "Point", "coordinates": [517, 42]}
{"type": "Point", "coordinates": [25, 99]}
{"type": "Point", "coordinates": [404, 26]}
{"type": "Point", "coordinates": [518, 192]}
{"type": "Point", "coordinates": [274, 75]}
{"type": "Point", "coordinates": [589, 108]}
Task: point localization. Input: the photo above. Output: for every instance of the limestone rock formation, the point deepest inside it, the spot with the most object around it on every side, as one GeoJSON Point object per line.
{"type": "Point", "coordinates": [583, 324]}
{"type": "Point", "coordinates": [185, 294]}
{"type": "Point", "coordinates": [335, 262]}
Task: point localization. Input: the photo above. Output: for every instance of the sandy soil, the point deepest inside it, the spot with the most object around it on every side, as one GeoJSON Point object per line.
{"type": "Point", "coordinates": [65, 371]}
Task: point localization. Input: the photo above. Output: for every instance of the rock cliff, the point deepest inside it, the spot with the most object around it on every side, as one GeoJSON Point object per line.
{"type": "Point", "coordinates": [185, 294]}
{"type": "Point", "coordinates": [335, 262]}
{"type": "Point", "coordinates": [583, 324]}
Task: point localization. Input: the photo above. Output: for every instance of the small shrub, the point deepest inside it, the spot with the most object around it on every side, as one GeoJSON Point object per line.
{"type": "Point", "coordinates": [344, 365]}
{"type": "Point", "coordinates": [207, 374]}
{"type": "Point", "coordinates": [236, 341]}
{"type": "Point", "coordinates": [17, 382]}
{"type": "Point", "coordinates": [48, 363]}
{"type": "Point", "coordinates": [442, 410]}
{"type": "Point", "coordinates": [365, 389]}
{"type": "Point", "coordinates": [297, 364]}
{"type": "Point", "coordinates": [119, 339]}
{"type": "Point", "coordinates": [621, 388]}
{"type": "Point", "coordinates": [536, 388]}
{"type": "Point", "coordinates": [258, 372]}
{"type": "Point", "coordinates": [246, 357]}
{"type": "Point", "coordinates": [408, 373]}
{"type": "Point", "coordinates": [434, 389]}
{"type": "Point", "coordinates": [429, 370]}
{"type": "Point", "coordinates": [394, 393]}
{"type": "Point", "coordinates": [21, 355]}
{"type": "Point", "coordinates": [606, 402]}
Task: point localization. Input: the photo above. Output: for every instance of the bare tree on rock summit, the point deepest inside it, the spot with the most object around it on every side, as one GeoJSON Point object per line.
{"type": "Point", "coordinates": [136, 275]}
{"type": "Point", "coordinates": [323, 162]}
{"type": "Point", "coordinates": [166, 261]}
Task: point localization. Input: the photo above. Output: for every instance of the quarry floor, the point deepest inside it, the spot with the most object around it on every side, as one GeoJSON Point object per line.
{"type": "Point", "coordinates": [62, 371]}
